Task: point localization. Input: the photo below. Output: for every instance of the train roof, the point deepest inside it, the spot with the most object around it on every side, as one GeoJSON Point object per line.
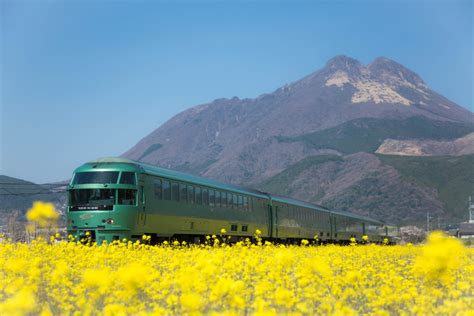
{"type": "Point", "coordinates": [321, 208]}
{"type": "Point", "coordinates": [176, 175]}
{"type": "Point", "coordinates": [284, 199]}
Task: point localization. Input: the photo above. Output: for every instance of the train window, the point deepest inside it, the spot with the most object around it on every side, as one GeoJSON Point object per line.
{"type": "Point", "coordinates": [241, 201]}
{"type": "Point", "coordinates": [236, 201]}
{"type": "Point", "coordinates": [95, 177]}
{"type": "Point", "coordinates": [175, 191]}
{"type": "Point", "coordinates": [183, 192]}
{"type": "Point", "coordinates": [127, 178]}
{"type": "Point", "coordinates": [232, 202]}
{"type": "Point", "coordinates": [218, 198]}
{"type": "Point", "coordinates": [158, 189]}
{"type": "Point", "coordinates": [127, 197]}
{"type": "Point", "coordinates": [205, 197]}
{"type": "Point", "coordinates": [233, 227]}
{"type": "Point", "coordinates": [166, 190]}
{"type": "Point", "coordinates": [224, 199]}
{"type": "Point", "coordinates": [229, 199]}
{"type": "Point", "coordinates": [198, 195]}
{"type": "Point", "coordinates": [244, 228]}
{"type": "Point", "coordinates": [92, 197]}
{"type": "Point", "coordinates": [191, 194]}
{"type": "Point", "coordinates": [212, 197]}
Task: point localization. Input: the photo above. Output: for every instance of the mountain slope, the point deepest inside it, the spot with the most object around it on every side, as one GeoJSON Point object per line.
{"type": "Point", "coordinates": [451, 177]}
{"type": "Point", "coordinates": [367, 134]}
{"type": "Point", "coordinates": [19, 195]}
{"type": "Point", "coordinates": [342, 109]}
{"type": "Point", "coordinates": [457, 147]}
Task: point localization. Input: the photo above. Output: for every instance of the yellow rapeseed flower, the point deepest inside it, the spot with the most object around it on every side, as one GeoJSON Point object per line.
{"type": "Point", "coordinates": [191, 302]}
{"type": "Point", "coordinates": [42, 213]}
{"type": "Point", "coordinates": [133, 278]}
{"type": "Point", "coordinates": [440, 257]}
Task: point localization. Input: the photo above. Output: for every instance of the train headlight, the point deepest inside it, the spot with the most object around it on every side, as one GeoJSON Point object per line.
{"type": "Point", "coordinates": [109, 221]}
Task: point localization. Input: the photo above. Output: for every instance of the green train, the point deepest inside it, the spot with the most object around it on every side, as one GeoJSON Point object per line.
{"type": "Point", "coordinates": [116, 198]}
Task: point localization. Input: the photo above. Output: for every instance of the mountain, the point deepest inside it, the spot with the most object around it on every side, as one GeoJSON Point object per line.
{"type": "Point", "coordinates": [17, 196]}
{"type": "Point", "coordinates": [345, 110]}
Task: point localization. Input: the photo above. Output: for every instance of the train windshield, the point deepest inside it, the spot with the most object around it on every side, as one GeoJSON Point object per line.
{"type": "Point", "coordinates": [92, 197]}
{"type": "Point", "coordinates": [95, 177]}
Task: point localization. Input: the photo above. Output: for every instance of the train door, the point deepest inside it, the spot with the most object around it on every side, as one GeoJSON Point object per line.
{"type": "Point", "coordinates": [332, 227]}
{"type": "Point", "coordinates": [142, 209]}
{"type": "Point", "coordinates": [270, 220]}
{"type": "Point", "coordinates": [275, 221]}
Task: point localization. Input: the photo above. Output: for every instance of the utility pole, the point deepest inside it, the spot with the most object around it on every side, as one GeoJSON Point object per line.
{"type": "Point", "coordinates": [427, 221]}
{"type": "Point", "coordinates": [471, 210]}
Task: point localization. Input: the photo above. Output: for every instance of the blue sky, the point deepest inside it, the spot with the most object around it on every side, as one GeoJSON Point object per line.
{"type": "Point", "coordinates": [87, 79]}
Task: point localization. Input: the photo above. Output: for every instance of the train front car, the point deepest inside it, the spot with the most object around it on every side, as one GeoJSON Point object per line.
{"type": "Point", "coordinates": [104, 200]}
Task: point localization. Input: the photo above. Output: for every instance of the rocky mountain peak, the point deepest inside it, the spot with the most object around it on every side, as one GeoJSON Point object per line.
{"type": "Point", "coordinates": [391, 72]}
{"type": "Point", "coordinates": [342, 62]}
{"type": "Point", "coordinates": [382, 81]}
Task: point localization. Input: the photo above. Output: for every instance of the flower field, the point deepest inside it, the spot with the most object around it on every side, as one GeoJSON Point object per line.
{"type": "Point", "coordinates": [68, 278]}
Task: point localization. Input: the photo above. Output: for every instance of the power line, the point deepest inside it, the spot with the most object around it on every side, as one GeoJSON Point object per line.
{"type": "Point", "coordinates": [33, 193]}
{"type": "Point", "coordinates": [8, 187]}
{"type": "Point", "coordinates": [34, 184]}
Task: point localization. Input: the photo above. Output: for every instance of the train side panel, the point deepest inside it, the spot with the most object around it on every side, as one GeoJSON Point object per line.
{"type": "Point", "coordinates": [175, 208]}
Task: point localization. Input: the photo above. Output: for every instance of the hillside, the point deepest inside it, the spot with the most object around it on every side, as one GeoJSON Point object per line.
{"type": "Point", "coordinates": [320, 133]}
{"type": "Point", "coordinates": [19, 195]}
{"type": "Point", "coordinates": [451, 177]}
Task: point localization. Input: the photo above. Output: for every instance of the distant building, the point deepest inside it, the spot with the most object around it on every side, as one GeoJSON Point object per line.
{"type": "Point", "coordinates": [466, 230]}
